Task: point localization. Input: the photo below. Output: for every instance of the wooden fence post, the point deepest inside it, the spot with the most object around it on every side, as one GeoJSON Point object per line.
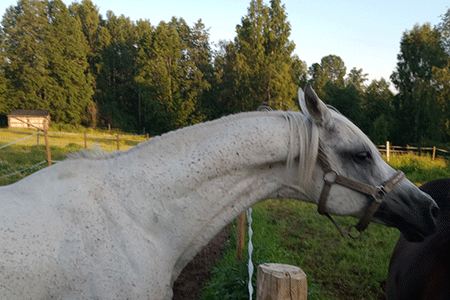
{"type": "Point", "coordinates": [434, 152]}
{"type": "Point", "coordinates": [47, 145]}
{"type": "Point", "coordinates": [281, 282]}
{"type": "Point", "coordinates": [240, 236]}
{"type": "Point", "coordinates": [388, 150]}
{"type": "Point", "coordinates": [118, 142]}
{"type": "Point", "coordinates": [85, 140]}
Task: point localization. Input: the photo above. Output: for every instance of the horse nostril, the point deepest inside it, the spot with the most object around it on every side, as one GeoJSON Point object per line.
{"type": "Point", "coordinates": [435, 212]}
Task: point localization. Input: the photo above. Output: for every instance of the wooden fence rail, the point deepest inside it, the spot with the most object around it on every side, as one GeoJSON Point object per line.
{"type": "Point", "coordinates": [433, 151]}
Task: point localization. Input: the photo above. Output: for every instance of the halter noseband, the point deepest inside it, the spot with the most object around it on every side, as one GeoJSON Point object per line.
{"type": "Point", "coordinates": [331, 177]}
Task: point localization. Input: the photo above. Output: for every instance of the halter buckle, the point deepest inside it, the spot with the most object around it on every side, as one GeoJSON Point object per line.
{"type": "Point", "coordinates": [351, 230]}
{"type": "Point", "coordinates": [330, 177]}
{"type": "Point", "coordinates": [380, 192]}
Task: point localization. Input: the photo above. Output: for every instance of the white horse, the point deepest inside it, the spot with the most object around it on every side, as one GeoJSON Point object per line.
{"type": "Point", "coordinates": [124, 225]}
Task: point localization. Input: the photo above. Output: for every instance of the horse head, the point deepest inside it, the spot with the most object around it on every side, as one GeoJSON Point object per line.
{"type": "Point", "coordinates": [352, 178]}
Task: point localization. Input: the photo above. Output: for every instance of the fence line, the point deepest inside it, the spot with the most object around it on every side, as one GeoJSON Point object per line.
{"type": "Point", "coordinates": [24, 169]}
{"type": "Point", "coordinates": [405, 149]}
{"type": "Point", "coordinates": [102, 136]}
{"type": "Point", "coordinates": [93, 137]}
{"type": "Point", "coordinates": [4, 146]}
{"type": "Point", "coordinates": [389, 149]}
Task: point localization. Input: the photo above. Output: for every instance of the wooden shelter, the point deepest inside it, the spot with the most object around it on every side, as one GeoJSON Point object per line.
{"type": "Point", "coordinates": [28, 118]}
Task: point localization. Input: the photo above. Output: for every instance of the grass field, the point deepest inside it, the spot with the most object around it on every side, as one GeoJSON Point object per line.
{"type": "Point", "coordinates": [30, 150]}
{"type": "Point", "coordinates": [285, 231]}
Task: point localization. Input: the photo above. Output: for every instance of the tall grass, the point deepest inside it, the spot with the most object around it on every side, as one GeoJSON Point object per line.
{"type": "Point", "coordinates": [420, 169]}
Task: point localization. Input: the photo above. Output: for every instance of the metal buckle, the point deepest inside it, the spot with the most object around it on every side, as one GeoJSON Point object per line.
{"type": "Point", "coordinates": [352, 229]}
{"type": "Point", "coordinates": [330, 176]}
{"type": "Point", "coordinates": [380, 192]}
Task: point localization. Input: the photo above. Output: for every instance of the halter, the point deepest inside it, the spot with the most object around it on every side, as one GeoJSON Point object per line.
{"type": "Point", "coordinates": [331, 177]}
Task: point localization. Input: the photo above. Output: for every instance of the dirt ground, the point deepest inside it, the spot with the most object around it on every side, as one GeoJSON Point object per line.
{"type": "Point", "coordinates": [196, 274]}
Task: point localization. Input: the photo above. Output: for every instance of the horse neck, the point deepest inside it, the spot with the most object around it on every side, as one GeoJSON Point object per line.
{"type": "Point", "coordinates": [204, 176]}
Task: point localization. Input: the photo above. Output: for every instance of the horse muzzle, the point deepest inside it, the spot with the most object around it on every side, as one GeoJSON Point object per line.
{"type": "Point", "coordinates": [415, 214]}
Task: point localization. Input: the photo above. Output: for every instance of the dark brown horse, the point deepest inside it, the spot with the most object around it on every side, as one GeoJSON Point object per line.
{"type": "Point", "coordinates": [422, 270]}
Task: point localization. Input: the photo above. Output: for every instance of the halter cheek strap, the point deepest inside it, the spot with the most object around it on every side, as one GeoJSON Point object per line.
{"type": "Point", "coordinates": [331, 177]}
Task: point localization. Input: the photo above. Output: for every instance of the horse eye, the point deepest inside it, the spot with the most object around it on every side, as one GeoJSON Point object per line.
{"type": "Point", "coordinates": [362, 157]}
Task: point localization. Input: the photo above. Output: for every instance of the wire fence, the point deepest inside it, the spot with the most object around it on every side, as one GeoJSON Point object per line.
{"type": "Point", "coordinates": [29, 144]}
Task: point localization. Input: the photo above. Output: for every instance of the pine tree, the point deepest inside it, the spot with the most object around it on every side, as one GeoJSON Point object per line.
{"type": "Point", "coordinates": [281, 88]}
{"type": "Point", "coordinates": [226, 94]}
{"type": "Point", "coordinates": [258, 67]}
{"type": "Point", "coordinates": [44, 60]}
{"type": "Point", "coordinates": [23, 57]}
{"type": "Point", "coordinates": [201, 69]}
{"type": "Point", "coordinates": [172, 61]}
{"type": "Point", "coordinates": [69, 86]}
{"type": "Point", "coordinates": [118, 94]}
{"type": "Point", "coordinates": [96, 34]}
{"type": "Point", "coordinates": [5, 105]}
{"type": "Point", "coordinates": [158, 76]}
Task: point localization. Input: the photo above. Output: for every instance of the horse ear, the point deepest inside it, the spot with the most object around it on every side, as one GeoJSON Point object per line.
{"type": "Point", "coordinates": [315, 107]}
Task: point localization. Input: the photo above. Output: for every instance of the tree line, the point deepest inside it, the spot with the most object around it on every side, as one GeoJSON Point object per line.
{"type": "Point", "coordinates": [93, 70]}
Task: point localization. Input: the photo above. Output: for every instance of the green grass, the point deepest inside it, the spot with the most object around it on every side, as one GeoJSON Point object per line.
{"type": "Point", "coordinates": [292, 232]}
{"type": "Point", "coordinates": [72, 140]}
{"type": "Point", "coordinates": [30, 151]}
{"type": "Point", "coordinates": [16, 158]}
{"type": "Point", "coordinates": [420, 169]}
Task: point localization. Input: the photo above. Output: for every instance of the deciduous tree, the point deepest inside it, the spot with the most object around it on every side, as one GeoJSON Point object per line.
{"type": "Point", "coordinates": [421, 50]}
{"type": "Point", "coordinates": [331, 69]}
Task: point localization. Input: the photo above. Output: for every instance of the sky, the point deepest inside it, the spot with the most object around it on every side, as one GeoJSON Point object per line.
{"type": "Point", "coordinates": [365, 34]}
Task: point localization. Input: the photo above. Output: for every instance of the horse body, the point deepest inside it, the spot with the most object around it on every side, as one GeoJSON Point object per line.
{"type": "Point", "coordinates": [422, 270]}
{"type": "Point", "coordinates": [124, 225]}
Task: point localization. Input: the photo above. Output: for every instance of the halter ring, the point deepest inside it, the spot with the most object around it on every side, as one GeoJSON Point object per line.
{"type": "Point", "coordinates": [330, 176]}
